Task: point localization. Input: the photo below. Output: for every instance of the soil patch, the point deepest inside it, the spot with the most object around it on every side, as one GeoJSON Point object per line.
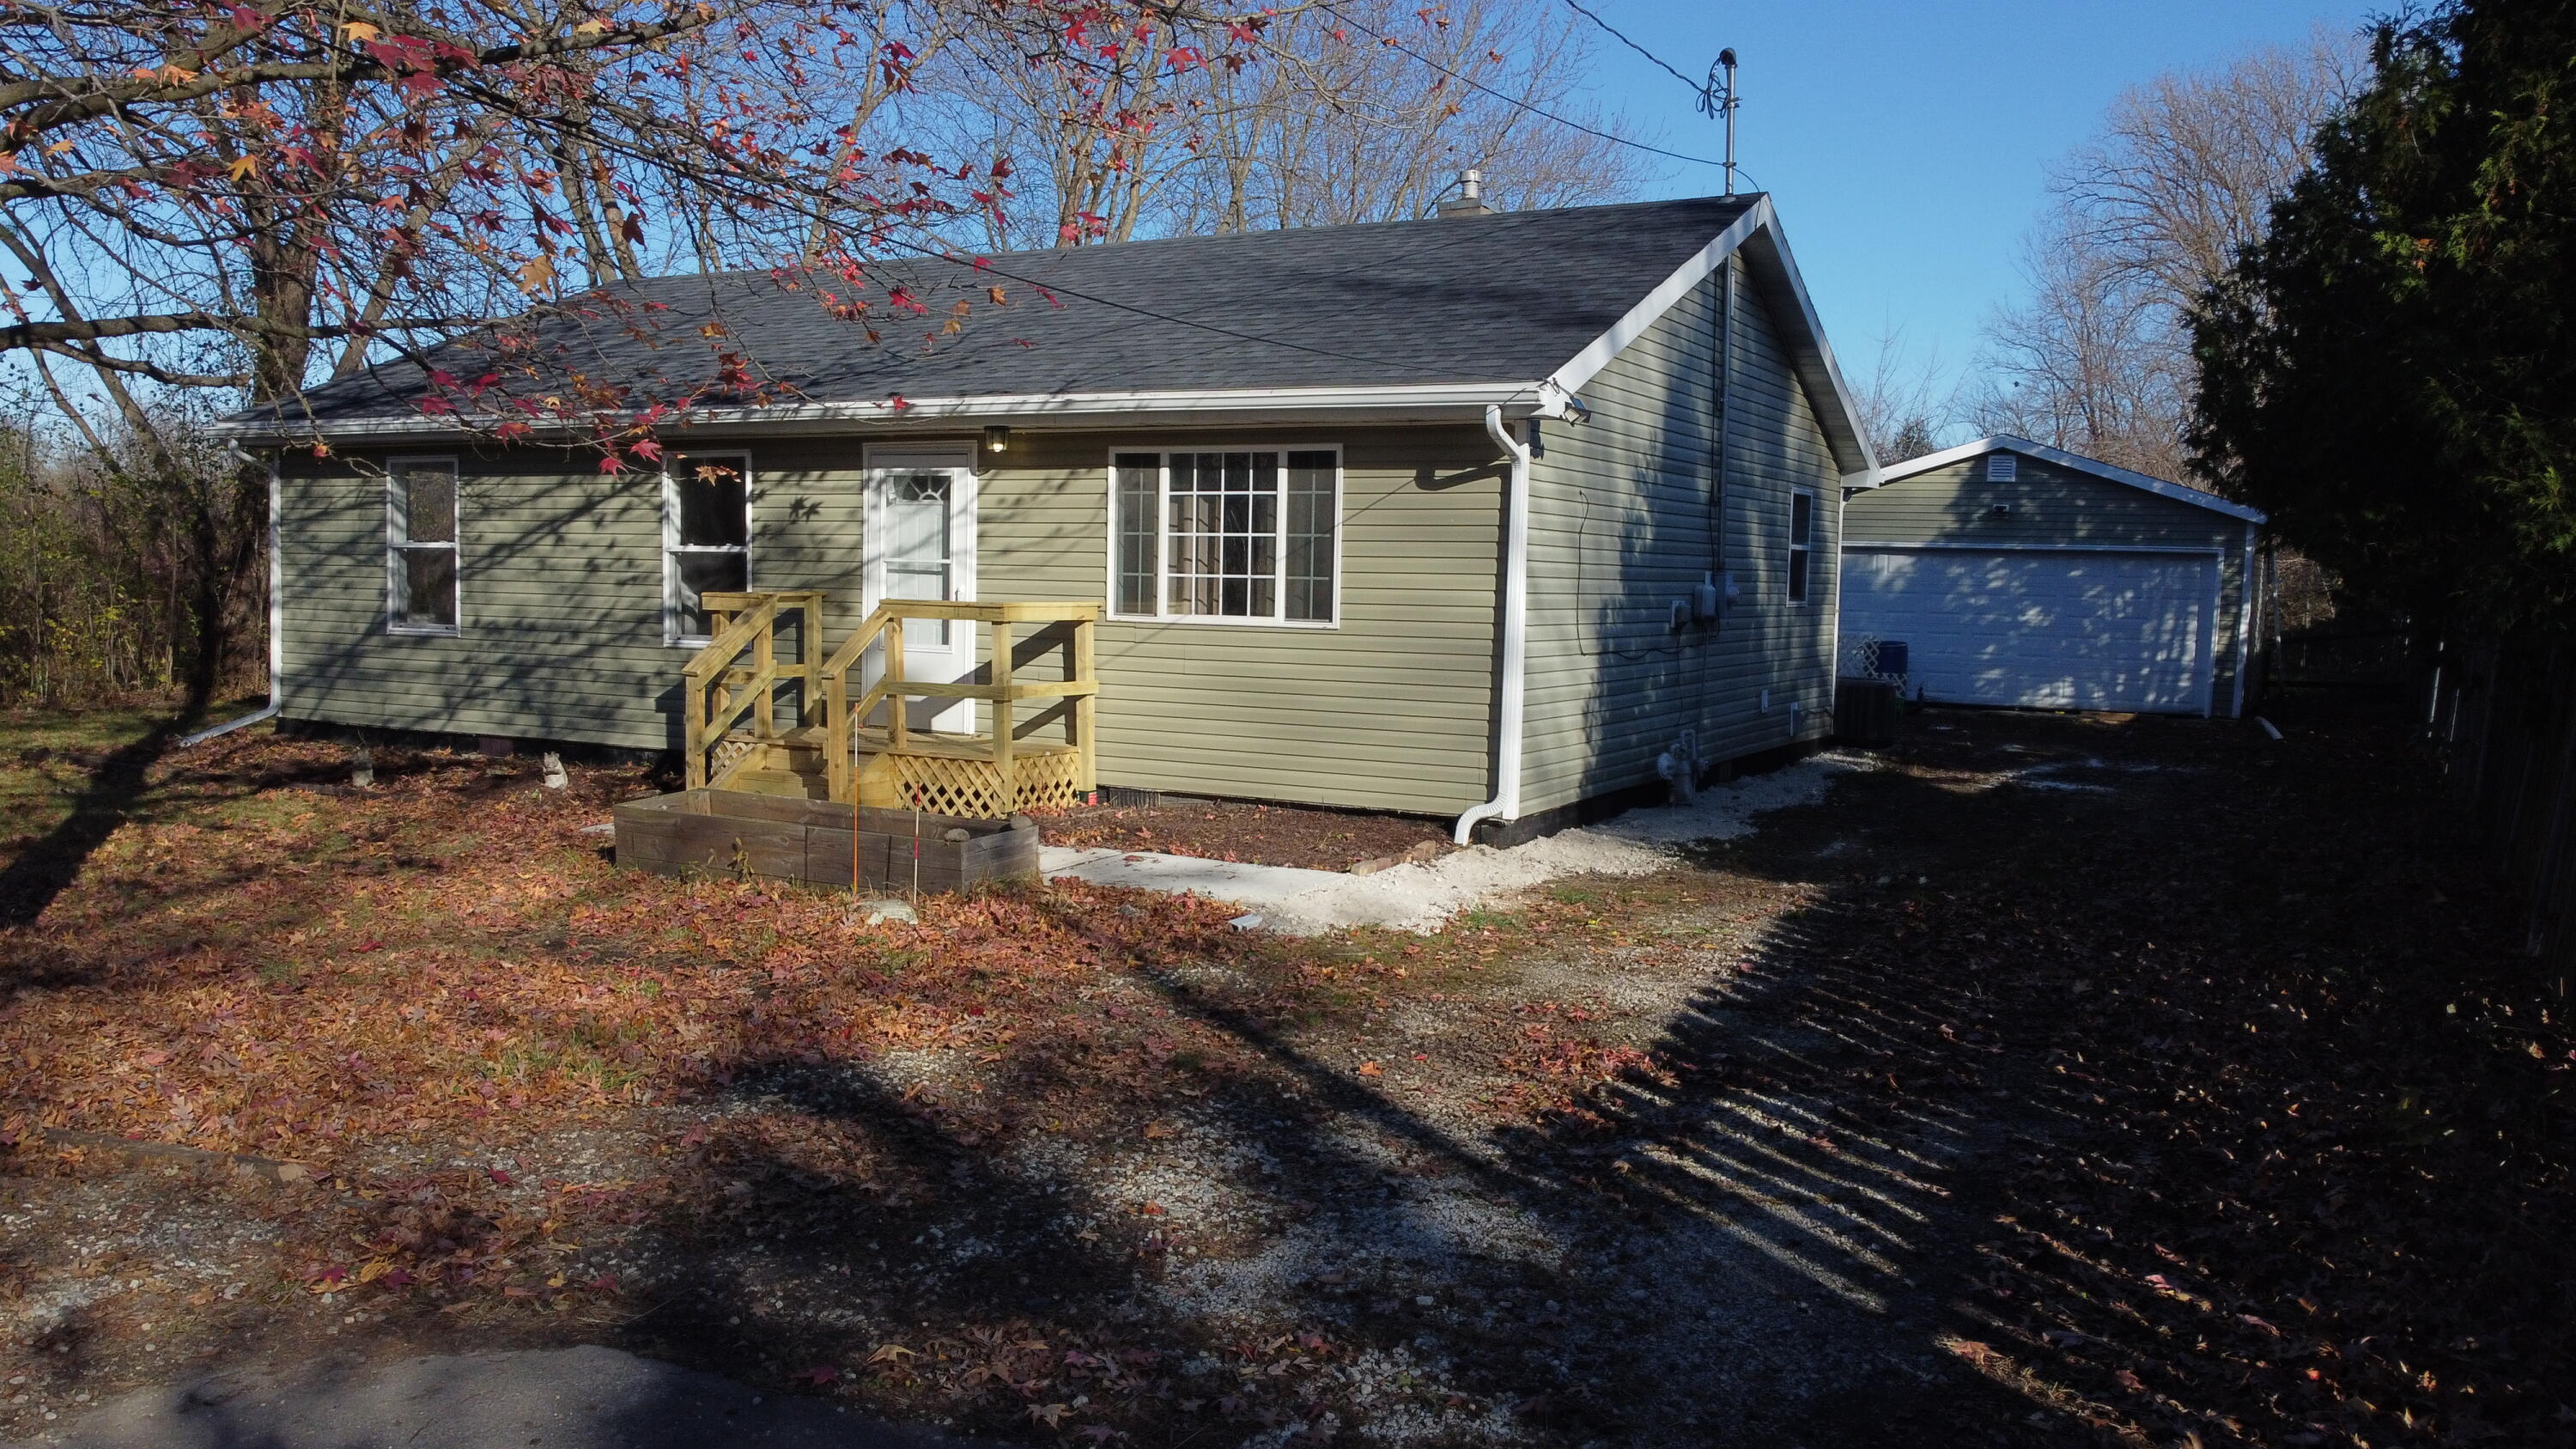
{"type": "Point", "coordinates": [1259, 834]}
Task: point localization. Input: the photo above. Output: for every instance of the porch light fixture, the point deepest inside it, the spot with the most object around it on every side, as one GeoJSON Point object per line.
{"type": "Point", "coordinates": [997, 437]}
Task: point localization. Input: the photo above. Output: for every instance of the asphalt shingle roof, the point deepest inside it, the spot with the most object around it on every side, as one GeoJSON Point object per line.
{"type": "Point", "coordinates": [1499, 298]}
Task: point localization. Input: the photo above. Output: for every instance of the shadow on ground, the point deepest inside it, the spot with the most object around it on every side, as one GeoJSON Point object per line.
{"type": "Point", "coordinates": [1764, 1229]}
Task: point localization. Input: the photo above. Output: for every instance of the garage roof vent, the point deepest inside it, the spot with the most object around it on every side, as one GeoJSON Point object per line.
{"type": "Point", "coordinates": [2001, 467]}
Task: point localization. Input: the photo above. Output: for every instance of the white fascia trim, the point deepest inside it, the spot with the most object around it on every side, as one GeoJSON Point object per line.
{"type": "Point", "coordinates": [1668, 293]}
{"type": "Point", "coordinates": [2077, 462]}
{"type": "Point", "coordinates": [1868, 474]}
{"type": "Point", "coordinates": [1536, 398]}
{"type": "Point", "coordinates": [1761, 217]}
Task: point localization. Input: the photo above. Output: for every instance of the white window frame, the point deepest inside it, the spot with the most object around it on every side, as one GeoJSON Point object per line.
{"type": "Point", "coordinates": [671, 545]}
{"type": "Point", "coordinates": [398, 542]}
{"type": "Point", "coordinates": [1162, 538]}
{"type": "Point", "coordinates": [1802, 598]}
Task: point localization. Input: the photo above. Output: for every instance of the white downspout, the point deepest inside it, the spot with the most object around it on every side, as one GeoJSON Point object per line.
{"type": "Point", "coordinates": [1506, 803]}
{"type": "Point", "coordinates": [276, 634]}
{"type": "Point", "coordinates": [2244, 622]}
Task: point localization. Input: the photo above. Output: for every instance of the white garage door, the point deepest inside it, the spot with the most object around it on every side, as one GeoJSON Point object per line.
{"type": "Point", "coordinates": [2050, 629]}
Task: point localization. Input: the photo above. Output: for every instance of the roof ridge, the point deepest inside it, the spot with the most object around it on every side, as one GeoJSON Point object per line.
{"type": "Point", "coordinates": [968, 257]}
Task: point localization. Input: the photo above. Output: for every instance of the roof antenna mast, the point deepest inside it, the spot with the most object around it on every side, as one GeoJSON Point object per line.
{"type": "Point", "coordinates": [1718, 99]}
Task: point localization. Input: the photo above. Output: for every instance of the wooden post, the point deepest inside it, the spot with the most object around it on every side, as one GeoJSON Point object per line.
{"type": "Point", "coordinates": [694, 735]}
{"type": "Point", "coordinates": [1084, 723]}
{"type": "Point", "coordinates": [836, 740]}
{"type": "Point", "coordinates": [764, 668]}
{"type": "Point", "coordinates": [895, 725]}
{"type": "Point", "coordinates": [809, 648]}
{"type": "Point", "coordinates": [1002, 715]}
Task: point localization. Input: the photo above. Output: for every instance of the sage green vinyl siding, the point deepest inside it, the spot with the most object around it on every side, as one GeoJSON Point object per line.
{"type": "Point", "coordinates": [561, 596]}
{"type": "Point", "coordinates": [2054, 507]}
{"type": "Point", "coordinates": [1389, 710]}
{"type": "Point", "coordinates": [558, 596]}
{"type": "Point", "coordinates": [1624, 524]}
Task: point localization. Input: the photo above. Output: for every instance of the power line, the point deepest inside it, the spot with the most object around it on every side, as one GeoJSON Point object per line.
{"type": "Point", "coordinates": [1515, 101]}
{"type": "Point", "coordinates": [1698, 88]}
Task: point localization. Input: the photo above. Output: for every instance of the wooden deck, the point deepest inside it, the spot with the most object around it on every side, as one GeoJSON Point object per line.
{"type": "Point", "coordinates": [830, 750]}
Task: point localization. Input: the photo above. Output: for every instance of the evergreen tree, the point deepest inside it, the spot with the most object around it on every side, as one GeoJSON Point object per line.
{"type": "Point", "coordinates": [2392, 372]}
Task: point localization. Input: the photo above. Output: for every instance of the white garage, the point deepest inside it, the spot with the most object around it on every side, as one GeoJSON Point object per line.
{"type": "Point", "coordinates": [2015, 574]}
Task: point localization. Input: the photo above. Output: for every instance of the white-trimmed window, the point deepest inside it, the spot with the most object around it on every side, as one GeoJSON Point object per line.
{"type": "Point", "coordinates": [1248, 534]}
{"type": "Point", "coordinates": [1802, 545]}
{"type": "Point", "coordinates": [706, 537]}
{"type": "Point", "coordinates": [420, 546]}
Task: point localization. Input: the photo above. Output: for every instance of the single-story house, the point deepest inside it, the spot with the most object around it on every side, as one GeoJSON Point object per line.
{"type": "Point", "coordinates": [2018, 574]}
{"type": "Point", "coordinates": [1473, 516]}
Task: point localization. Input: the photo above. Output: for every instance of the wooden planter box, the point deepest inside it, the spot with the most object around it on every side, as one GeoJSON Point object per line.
{"type": "Point", "coordinates": [728, 832]}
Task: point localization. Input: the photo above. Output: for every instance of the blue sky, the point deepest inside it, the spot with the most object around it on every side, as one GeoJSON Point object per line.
{"type": "Point", "coordinates": [1906, 142]}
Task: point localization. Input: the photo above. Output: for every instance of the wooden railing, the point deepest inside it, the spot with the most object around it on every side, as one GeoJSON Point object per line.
{"type": "Point", "coordinates": [1076, 695]}
{"type": "Point", "coordinates": [737, 676]}
{"type": "Point", "coordinates": [722, 688]}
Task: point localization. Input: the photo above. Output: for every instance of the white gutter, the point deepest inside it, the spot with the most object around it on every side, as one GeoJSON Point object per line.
{"type": "Point", "coordinates": [276, 636]}
{"type": "Point", "coordinates": [1424, 401]}
{"type": "Point", "coordinates": [1506, 803]}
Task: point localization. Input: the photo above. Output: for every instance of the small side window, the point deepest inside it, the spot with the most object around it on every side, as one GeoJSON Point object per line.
{"type": "Point", "coordinates": [420, 545]}
{"type": "Point", "coordinates": [706, 531]}
{"type": "Point", "coordinates": [1802, 543]}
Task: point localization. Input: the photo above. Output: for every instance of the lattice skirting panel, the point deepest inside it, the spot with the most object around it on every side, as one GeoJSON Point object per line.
{"type": "Point", "coordinates": [972, 788]}
{"type": "Point", "coordinates": [727, 750]}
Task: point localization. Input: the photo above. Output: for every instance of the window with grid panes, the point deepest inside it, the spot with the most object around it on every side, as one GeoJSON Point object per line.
{"type": "Point", "coordinates": [1248, 534]}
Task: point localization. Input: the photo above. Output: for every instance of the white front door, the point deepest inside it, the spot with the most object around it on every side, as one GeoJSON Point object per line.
{"type": "Point", "coordinates": [920, 541]}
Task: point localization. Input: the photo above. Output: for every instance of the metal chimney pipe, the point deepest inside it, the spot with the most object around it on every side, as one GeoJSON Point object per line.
{"type": "Point", "coordinates": [1470, 200]}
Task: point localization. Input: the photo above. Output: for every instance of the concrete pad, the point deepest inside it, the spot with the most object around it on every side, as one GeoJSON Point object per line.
{"type": "Point", "coordinates": [1423, 897]}
{"type": "Point", "coordinates": [1217, 880]}
{"type": "Point", "coordinates": [574, 1398]}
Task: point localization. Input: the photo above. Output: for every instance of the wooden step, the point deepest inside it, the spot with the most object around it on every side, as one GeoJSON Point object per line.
{"type": "Point", "coordinates": [792, 783]}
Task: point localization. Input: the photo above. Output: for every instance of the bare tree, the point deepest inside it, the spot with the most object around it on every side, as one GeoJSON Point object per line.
{"type": "Point", "coordinates": [2182, 175]}
{"type": "Point", "coordinates": [203, 204]}
{"type": "Point", "coordinates": [1368, 110]}
{"type": "Point", "coordinates": [2091, 363]}
{"type": "Point", "coordinates": [1332, 112]}
{"type": "Point", "coordinates": [1906, 404]}
{"type": "Point", "coordinates": [2141, 218]}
